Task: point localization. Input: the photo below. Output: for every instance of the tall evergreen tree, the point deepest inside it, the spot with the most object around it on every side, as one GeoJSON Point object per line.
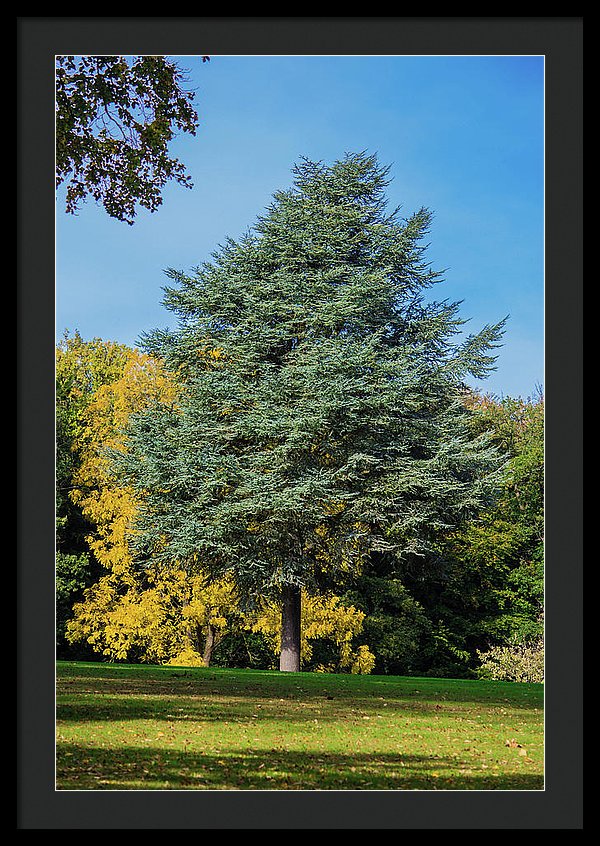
{"type": "Point", "coordinates": [321, 415]}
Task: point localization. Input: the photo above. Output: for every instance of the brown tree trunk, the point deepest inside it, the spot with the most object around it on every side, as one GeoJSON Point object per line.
{"type": "Point", "coordinates": [289, 660]}
{"type": "Point", "coordinates": [209, 645]}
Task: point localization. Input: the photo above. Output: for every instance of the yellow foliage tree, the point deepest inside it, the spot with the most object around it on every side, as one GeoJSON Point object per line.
{"type": "Point", "coordinates": [108, 506]}
{"type": "Point", "coordinates": [162, 616]}
{"type": "Point", "coordinates": [206, 614]}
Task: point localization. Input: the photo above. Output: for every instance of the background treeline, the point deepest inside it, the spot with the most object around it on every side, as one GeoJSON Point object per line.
{"type": "Point", "coordinates": [472, 607]}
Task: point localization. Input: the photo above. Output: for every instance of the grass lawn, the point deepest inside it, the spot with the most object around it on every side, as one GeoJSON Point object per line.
{"type": "Point", "coordinates": [126, 727]}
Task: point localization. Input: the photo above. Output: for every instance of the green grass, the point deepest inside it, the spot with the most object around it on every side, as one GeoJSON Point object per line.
{"type": "Point", "coordinates": [126, 727]}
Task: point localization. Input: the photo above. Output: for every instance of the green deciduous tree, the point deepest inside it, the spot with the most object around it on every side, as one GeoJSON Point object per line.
{"type": "Point", "coordinates": [329, 421]}
{"type": "Point", "coordinates": [395, 626]}
{"type": "Point", "coordinates": [485, 588]}
{"type": "Point", "coordinates": [115, 118]}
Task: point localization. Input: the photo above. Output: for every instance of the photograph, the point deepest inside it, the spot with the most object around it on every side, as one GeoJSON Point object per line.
{"type": "Point", "coordinates": [299, 521]}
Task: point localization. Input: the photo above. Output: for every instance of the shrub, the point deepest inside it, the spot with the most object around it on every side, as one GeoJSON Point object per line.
{"type": "Point", "coordinates": [519, 662]}
{"type": "Point", "coordinates": [187, 657]}
{"type": "Point", "coordinates": [363, 661]}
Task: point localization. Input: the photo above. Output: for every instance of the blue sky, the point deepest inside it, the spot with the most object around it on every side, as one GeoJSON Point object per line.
{"type": "Point", "coordinates": [463, 135]}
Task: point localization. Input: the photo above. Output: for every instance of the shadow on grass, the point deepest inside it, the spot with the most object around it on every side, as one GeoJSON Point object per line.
{"type": "Point", "coordinates": [131, 768]}
{"type": "Point", "coordinates": [170, 681]}
{"type": "Point", "coordinates": [178, 696]}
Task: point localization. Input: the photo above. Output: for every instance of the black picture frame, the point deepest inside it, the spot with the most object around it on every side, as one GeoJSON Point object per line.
{"type": "Point", "coordinates": [560, 41]}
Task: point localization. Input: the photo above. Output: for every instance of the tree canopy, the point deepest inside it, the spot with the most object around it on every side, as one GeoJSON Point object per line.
{"type": "Point", "coordinates": [322, 414]}
{"type": "Point", "coordinates": [115, 118]}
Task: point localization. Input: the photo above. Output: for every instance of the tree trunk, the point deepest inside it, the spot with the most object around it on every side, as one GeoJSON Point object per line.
{"type": "Point", "coordinates": [209, 645]}
{"type": "Point", "coordinates": [289, 660]}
